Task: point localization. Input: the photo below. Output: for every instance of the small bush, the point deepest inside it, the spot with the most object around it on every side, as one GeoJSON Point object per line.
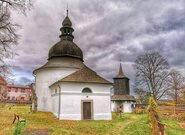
{"type": "Point", "coordinates": [19, 128]}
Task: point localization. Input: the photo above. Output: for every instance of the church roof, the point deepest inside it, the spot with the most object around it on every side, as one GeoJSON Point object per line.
{"type": "Point", "coordinates": [18, 86]}
{"type": "Point", "coordinates": [66, 48]}
{"type": "Point", "coordinates": [84, 75]}
{"type": "Point", "coordinates": [122, 97]}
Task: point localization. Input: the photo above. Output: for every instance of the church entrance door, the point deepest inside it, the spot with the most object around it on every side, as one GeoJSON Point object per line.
{"type": "Point", "coordinates": [87, 110]}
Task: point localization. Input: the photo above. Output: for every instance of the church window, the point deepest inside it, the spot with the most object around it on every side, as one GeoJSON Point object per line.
{"type": "Point", "coordinates": [55, 91]}
{"type": "Point", "coordinates": [86, 90]}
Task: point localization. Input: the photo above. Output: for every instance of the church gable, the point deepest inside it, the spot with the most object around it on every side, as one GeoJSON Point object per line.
{"type": "Point", "coordinates": [84, 75]}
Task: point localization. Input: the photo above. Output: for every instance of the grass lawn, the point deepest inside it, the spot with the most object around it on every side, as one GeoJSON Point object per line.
{"type": "Point", "coordinates": [43, 123]}
{"type": "Point", "coordinates": [173, 127]}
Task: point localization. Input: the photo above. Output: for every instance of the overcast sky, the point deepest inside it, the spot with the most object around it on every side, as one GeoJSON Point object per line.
{"type": "Point", "coordinates": [105, 30]}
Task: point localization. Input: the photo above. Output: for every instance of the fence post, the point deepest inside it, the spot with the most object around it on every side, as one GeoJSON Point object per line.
{"type": "Point", "coordinates": [157, 127]}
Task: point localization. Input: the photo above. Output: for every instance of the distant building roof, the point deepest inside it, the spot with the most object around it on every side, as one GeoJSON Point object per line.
{"type": "Point", "coordinates": [18, 86]}
{"type": "Point", "coordinates": [123, 98]}
{"type": "Point", "coordinates": [85, 75]}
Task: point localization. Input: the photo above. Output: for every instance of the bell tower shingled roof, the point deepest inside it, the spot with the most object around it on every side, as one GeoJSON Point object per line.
{"type": "Point", "coordinates": [120, 72]}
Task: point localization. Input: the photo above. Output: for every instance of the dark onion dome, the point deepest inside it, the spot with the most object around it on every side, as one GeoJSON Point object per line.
{"type": "Point", "coordinates": [66, 46]}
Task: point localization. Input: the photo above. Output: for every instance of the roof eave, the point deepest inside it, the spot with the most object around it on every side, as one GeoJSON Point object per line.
{"type": "Point", "coordinates": [124, 77]}
{"type": "Point", "coordinates": [88, 82]}
{"type": "Point", "coordinates": [123, 100]}
{"type": "Point", "coordinates": [108, 83]}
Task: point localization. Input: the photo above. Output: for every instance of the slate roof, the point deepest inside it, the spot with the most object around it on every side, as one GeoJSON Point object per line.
{"type": "Point", "coordinates": [84, 75]}
{"type": "Point", "coordinates": [123, 97]}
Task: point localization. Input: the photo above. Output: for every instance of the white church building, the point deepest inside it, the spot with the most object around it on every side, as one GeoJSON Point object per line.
{"type": "Point", "coordinates": [69, 89]}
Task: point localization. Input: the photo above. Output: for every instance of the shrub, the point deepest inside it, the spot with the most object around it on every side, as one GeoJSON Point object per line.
{"type": "Point", "coordinates": [19, 128]}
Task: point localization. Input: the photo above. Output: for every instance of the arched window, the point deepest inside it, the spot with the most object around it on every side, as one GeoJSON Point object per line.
{"type": "Point", "coordinates": [86, 90]}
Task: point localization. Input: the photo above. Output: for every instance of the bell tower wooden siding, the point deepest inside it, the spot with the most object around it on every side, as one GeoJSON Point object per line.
{"type": "Point", "coordinates": [121, 86]}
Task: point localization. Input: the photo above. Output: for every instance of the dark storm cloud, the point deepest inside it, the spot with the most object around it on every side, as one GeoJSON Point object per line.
{"type": "Point", "coordinates": [106, 31]}
{"type": "Point", "coordinates": [23, 81]}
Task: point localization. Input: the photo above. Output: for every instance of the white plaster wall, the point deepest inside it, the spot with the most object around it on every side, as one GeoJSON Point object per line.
{"type": "Point", "coordinates": [44, 78]}
{"type": "Point", "coordinates": [71, 87]}
{"type": "Point", "coordinates": [55, 104]}
{"type": "Point", "coordinates": [127, 106]}
{"type": "Point", "coordinates": [71, 97]}
{"type": "Point", "coordinates": [113, 106]}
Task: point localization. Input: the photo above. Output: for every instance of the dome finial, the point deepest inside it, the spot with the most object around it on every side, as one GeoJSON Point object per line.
{"type": "Point", "coordinates": [66, 29]}
{"type": "Point", "coordinates": [67, 8]}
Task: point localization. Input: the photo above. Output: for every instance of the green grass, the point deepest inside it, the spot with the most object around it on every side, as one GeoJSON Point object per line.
{"type": "Point", "coordinates": [128, 124]}
{"type": "Point", "coordinates": [139, 127]}
{"type": "Point", "coordinates": [173, 127]}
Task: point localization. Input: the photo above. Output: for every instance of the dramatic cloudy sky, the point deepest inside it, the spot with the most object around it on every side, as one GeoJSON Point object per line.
{"type": "Point", "coordinates": [106, 31]}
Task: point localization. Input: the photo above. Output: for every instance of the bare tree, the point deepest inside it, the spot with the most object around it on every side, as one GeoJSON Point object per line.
{"type": "Point", "coordinates": [176, 83]}
{"type": "Point", "coordinates": [152, 73]}
{"type": "Point", "coordinates": [183, 95]}
{"type": "Point", "coordinates": [3, 90]}
{"type": "Point", "coordinates": [33, 97]}
{"type": "Point", "coordinates": [3, 95]}
{"type": "Point", "coordinates": [8, 29]}
{"type": "Point", "coordinates": [141, 94]}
